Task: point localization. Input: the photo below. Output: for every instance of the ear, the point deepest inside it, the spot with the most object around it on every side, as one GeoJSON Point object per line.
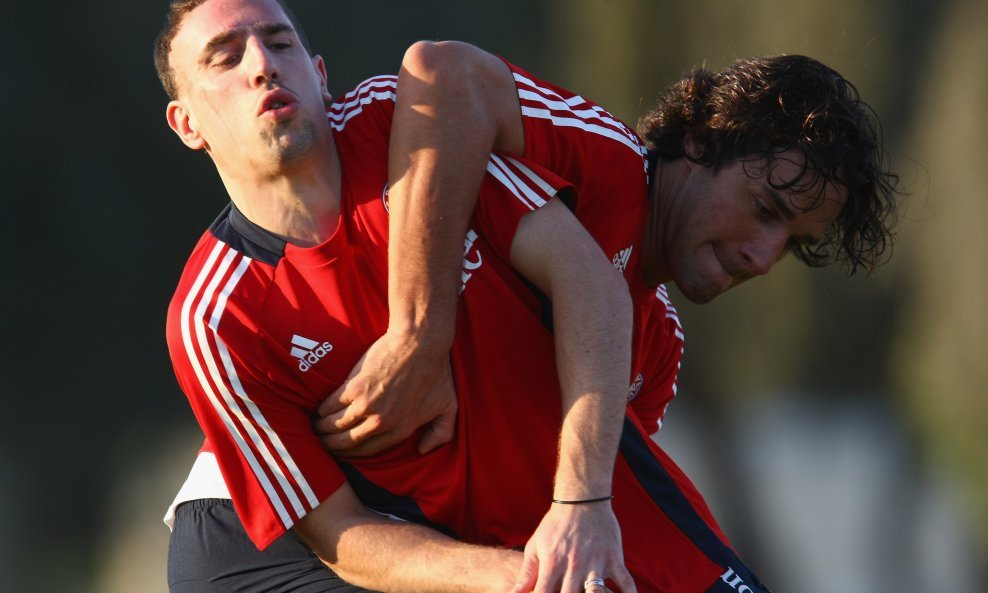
{"type": "Point", "coordinates": [692, 147]}
{"type": "Point", "coordinates": [320, 65]}
{"type": "Point", "coordinates": [184, 124]}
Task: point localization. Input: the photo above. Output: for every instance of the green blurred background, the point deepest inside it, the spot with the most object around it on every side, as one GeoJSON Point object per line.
{"type": "Point", "coordinates": [837, 426]}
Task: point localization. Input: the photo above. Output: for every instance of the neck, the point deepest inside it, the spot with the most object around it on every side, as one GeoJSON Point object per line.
{"type": "Point", "coordinates": [665, 178]}
{"type": "Point", "coordinates": [299, 202]}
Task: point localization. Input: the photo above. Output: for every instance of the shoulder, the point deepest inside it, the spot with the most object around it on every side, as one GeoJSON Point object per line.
{"type": "Point", "coordinates": [372, 98]}
{"type": "Point", "coordinates": [552, 109]}
{"type": "Point", "coordinates": [227, 276]}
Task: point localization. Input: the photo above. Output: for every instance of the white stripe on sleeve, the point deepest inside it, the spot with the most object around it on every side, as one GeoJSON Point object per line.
{"type": "Point", "coordinates": [248, 422]}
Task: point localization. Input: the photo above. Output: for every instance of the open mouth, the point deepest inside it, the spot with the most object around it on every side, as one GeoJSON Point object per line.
{"type": "Point", "coordinates": [277, 102]}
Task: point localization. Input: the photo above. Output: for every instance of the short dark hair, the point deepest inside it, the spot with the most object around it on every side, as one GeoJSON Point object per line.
{"type": "Point", "coordinates": [177, 11]}
{"type": "Point", "coordinates": [760, 107]}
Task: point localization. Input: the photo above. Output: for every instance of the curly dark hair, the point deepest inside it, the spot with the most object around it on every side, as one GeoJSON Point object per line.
{"type": "Point", "coordinates": [760, 107]}
{"type": "Point", "coordinates": [177, 11]}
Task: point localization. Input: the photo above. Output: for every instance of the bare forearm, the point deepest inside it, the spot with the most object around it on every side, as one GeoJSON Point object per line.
{"type": "Point", "coordinates": [593, 356]}
{"type": "Point", "coordinates": [593, 324]}
{"type": "Point", "coordinates": [406, 558]}
{"type": "Point", "coordinates": [454, 106]}
{"type": "Point", "coordinates": [391, 556]}
{"type": "Point", "coordinates": [592, 318]}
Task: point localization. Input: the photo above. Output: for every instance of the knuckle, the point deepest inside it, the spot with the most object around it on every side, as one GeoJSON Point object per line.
{"type": "Point", "coordinates": [373, 423]}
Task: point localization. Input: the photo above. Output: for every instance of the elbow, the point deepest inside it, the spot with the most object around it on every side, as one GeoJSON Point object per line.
{"type": "Point", "coordinates": [325, 531]}
{"type": "Point", "coordinates": [467, 84]}
{"type": "Point", "coordinates": [442, 62]}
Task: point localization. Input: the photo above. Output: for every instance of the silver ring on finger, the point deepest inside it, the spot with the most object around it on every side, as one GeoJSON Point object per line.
{"type": "Point", "coordinates": [590, 583]}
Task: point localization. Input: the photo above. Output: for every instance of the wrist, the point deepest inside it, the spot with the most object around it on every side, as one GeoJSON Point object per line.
{"type": "Point", "coordinates": [593, 500]}
{"type": "Point", "coordinates": [582, 481]}
{"type": "Point", "coordinates": [432, 337]}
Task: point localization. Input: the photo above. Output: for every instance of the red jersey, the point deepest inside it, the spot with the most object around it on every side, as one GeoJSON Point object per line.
{"type": "Point", "coordinates": [261, 331]}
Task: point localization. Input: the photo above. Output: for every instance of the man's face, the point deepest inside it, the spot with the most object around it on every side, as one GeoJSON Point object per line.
{"type": "Point", "coordinates": [249, 93]}
{"type": "Point", "coordinates": [727, 227]}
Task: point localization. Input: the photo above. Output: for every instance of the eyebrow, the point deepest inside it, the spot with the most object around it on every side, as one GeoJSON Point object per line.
{"type": "Point", "coordinates": [264, 29]}
{"type": "Point", "coordinates": [787, 212]}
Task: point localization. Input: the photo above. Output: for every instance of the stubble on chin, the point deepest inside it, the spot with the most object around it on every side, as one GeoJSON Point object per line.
{"type": "Point", "coordinates": [701, 296]}
{"type": "Point", "coordinates": [290, 145]}
{"type": "Point", "coordinates": [698, 289]}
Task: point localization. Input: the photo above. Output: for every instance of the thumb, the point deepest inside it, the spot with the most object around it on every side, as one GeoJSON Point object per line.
{"type": "Point", "coordinates": [440, 431]}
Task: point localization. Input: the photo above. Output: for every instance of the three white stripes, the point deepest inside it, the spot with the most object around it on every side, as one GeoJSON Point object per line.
{"type": "Point", "coordinates": [506, 174]}
{"type": "Point", "coordinates": [251, 422]}
{"type": "Point", "coordinates": [374, 89]}
{"type": "Point", "coordinates": [594, 120]}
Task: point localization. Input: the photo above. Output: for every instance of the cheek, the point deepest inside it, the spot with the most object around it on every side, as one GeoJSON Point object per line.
{"type": "Point", "coordinates": [217, 112]}
{"type": "Point", "coordinates": [213, 98]}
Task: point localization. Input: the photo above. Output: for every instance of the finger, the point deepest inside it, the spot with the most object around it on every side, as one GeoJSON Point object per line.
{"type": "Point", "coordinates": [337, 444]}
{"type": "Point", "coordinates": [622, 578]}
{"type": "Point", "coordinates": [350, 440]}
{"type": "Point", "coordinates": [548, 581]}
{"type": "Point", "coordinates": [528, 575]}
{"type": "Point", "coordinates": [369, 446]}
{"type": "Point", "coordinates": [327, 425]}
{"type": "Point", "coordinates": [335, 402]}
{"type": "Point", "coordinates": [573, 575]}
{"type": "Point", "coordinates": [592, 584]}
{"type": "Point", "coordinates": [369, 438]}
{"type": "Point", "coordinates": [439, 432]}
{"type": "Point", "coordinates": [577, 577]}
{"type": "Point", "coordinates": [345, 444]}
{"type": "Point", "coordinates": [345, 419]}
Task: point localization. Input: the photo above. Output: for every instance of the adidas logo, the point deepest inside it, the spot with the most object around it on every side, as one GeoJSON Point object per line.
{"type": "Point", "coordinates": [620, 260]}
{"type": "Point", "coordinates": [308, 352]}
{"type": "Point", "coordinates": [635, 387]}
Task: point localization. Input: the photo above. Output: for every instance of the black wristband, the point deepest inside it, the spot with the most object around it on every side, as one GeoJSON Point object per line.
{"type": "Point", "coordinates": [587, 501]}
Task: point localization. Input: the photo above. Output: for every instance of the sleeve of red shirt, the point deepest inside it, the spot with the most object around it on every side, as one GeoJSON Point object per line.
{"type": "Point", "coordinates": [597, 153]}
{"type": "Point", "coordinates": [512, 188]}
{"type": "Point", "coordinates": [372, 99]}
{"type": "Point", "coordinates": [259, 429]}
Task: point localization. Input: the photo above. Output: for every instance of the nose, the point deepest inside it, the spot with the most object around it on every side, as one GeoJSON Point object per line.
{"type": "Point", "coordinates": [260, 62]}
{"type": "Point", "coordinates": [761, 254]}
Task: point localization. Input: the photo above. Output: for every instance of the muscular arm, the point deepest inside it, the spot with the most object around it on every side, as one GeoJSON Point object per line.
{"type": "Point", "coordinates": [383, 554]}
{"type": "Point", "coordinates": [455, 104]}
{"type": "Point", "coordinates": [593, 320]}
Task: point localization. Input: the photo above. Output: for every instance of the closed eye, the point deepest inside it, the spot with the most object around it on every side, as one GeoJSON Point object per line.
{"type": "Point", "coordinates": [225, 60]}
{"type": "Point", "coordinates": [762, 211]}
